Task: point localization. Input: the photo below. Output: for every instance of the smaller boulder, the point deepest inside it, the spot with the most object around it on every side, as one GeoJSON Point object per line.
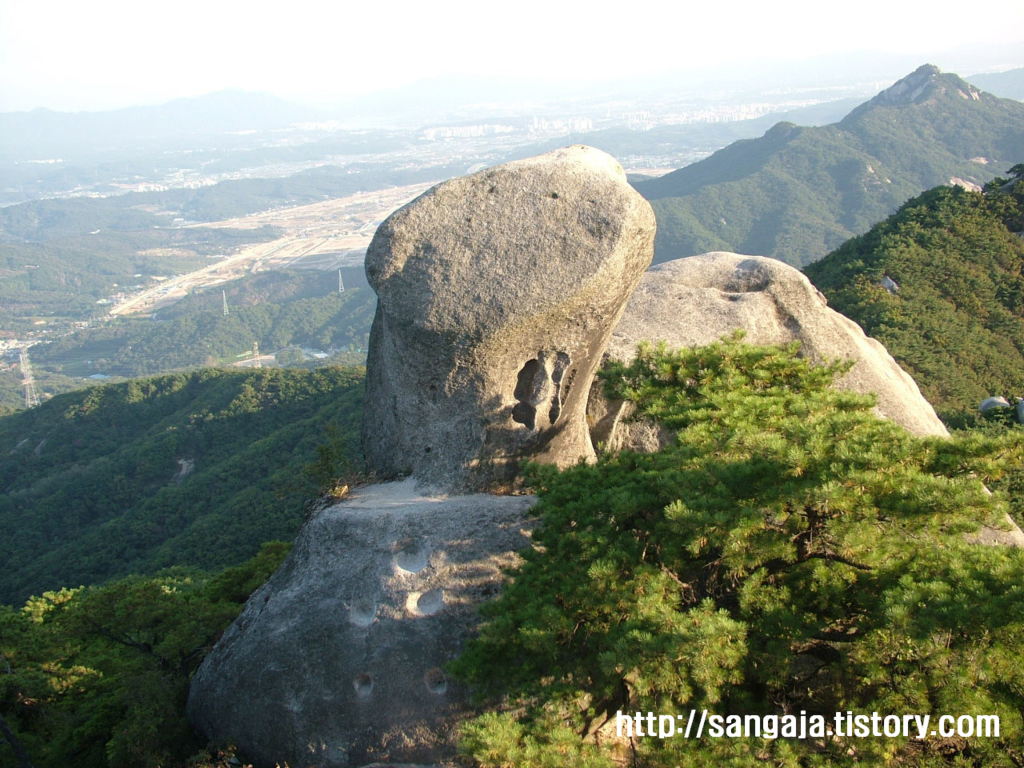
{"type": "Point", "coordinates": [697, 300]}
{"type": "Point", "coordinates": [338, 660]}
{"type": "Point", "coordinates": [993, 402]}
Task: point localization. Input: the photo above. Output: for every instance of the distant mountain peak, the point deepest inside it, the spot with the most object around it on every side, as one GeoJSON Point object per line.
{"type": "Point", "coordinates": [925, 83]}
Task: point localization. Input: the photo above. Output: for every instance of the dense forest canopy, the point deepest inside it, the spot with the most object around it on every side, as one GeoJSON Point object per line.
{"type": "Point", "coordinates": [192, 469]}
{"type": "Point", "coordinates": [955, 321]}
{"type": "Point", "coordinates": [98, 677]}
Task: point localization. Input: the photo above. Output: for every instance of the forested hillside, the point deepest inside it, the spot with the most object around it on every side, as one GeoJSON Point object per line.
{"type": "Point", "coordinates": [273, 309]}
{"type": "Point", "coordinates": [63, 277]}
{"type": "Point", "coordinates": [97, 677]}
{"type": "Point", "coordinates": [798, 193]}
{"type": "Point", "coordinates": [192, 469]}
{"type": "Point", "coordinates": [956, 320]}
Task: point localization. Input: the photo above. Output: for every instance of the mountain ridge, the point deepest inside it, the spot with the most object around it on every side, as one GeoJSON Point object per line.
{"type": "Point", "coordinates": [797, 193]}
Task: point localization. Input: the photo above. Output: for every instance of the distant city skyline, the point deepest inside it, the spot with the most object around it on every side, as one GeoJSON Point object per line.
{"type": "Point", "coordinates": [103, 55]}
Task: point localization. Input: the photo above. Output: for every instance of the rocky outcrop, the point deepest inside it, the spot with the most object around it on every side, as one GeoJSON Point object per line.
{"type": "Point", "coordinates": [497, 293]}
{"type": "Point", "coordinates": [993, 402]}
{"type": "Point", "coordinates": [698, 300]}
{"type": "Point", "coordinates": [337, 660]}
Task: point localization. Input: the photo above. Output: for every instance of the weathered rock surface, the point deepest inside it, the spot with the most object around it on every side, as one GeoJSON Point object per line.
{"type": "Point", "coordinates": [497, 295]}
{"type": "Point", "coordinates": [993, 402]}
{"type": "Point", "coordinates": [336, 661]}
{"type": "Point", "coordinates": [698, 300]}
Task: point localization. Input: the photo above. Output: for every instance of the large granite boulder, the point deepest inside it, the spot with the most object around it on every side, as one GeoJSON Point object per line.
{"type": "Point", "coordinates": [337, 660]}
{"type": "Point", "coordinates": [497, 293]}
{"type": "Point", "coordinates": [698, 300]}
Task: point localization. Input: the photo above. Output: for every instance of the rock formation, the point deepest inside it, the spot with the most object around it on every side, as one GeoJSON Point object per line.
{"type": "Point", "coordinates": [497, 293]}
{"type": "Point", "coordinates": [993, 402]}
{"type": "Point", "coordinates": [337, 660]}
{"type": "Point", "coordinates": [698, 300]}
{"type": "Point", "coordinates": [695, 301]}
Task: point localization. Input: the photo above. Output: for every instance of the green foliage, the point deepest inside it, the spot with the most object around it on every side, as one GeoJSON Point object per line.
{"type": "Point", "coordinates": [99, 676]}
{"type": "Point", "coordinates": [289, 356]}
{"type": "Point", "coordinates": [957, 322]}
{"type": "Point", "coordinates": [192, 469]}
{"type": "Point", "coordinates": [334, 470]}
{"type": "Point", "coordinates": [797, 193]}
{"type": "Point", "coordinates": [789, 551]}
{"type": "Point", "coordinates": [47, 383]}
{"type": "Point", "coordinates": [275, 309]}
{"type": "Point", "coordinates": [500, 741]}
{"type": "Point", "coordinates": [63, 277]}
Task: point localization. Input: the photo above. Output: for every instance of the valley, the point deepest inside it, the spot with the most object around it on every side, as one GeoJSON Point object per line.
{"type": "Point", "coordinates": [754, 482]}
{"type": "Point", "coordinates": [325, 236]}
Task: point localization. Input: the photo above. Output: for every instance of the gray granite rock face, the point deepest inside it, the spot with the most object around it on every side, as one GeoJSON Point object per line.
{"type": "Point", "coordinates": [698, 300]}
{"type": "Point", "coordinates": [993, 402]}
{"type": "Point", "coordinates": [497, 293]}
{"type": "Point", "coordinates": [336, 661]}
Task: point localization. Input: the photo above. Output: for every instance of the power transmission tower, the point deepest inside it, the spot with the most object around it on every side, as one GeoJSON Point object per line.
{"type": "Point", "coordinates": [341, 283]}
{"type": "Point", "coordinates": [31, 398]}
{"type": "Point", "coordinates": [224, 295]}
{"type": "Point", "coordinates": [256, 354]}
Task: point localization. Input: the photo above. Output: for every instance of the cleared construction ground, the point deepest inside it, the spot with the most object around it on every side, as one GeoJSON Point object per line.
{"type": "Point", "coordinates": [327, 235]}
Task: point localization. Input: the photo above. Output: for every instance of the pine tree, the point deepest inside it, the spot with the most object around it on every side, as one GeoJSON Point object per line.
{"type": "Point", "coordinates": [788, 552]}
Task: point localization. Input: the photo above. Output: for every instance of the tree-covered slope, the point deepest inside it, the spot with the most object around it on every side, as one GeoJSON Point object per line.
{"type": "Point", "coordinates": [191, 469]}
{"type": "Point", "coordinates": [956, 322]}
{"type": "Point", "coordinates": [798, 193]}
{"type": "Point", "coordinates": [98, 677]}
{"type": "Point", "coordinates": [64, 277]}
{"type": "Point", "coordinates": [273, 309]}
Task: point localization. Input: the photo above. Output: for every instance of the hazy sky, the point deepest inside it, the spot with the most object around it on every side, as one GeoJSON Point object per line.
{"type": "Point", "coordinates": [96, 54]}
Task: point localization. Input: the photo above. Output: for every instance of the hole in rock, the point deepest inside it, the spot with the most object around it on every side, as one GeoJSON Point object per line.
{"type": "Point", "coordinates": [363, 685]}
{"type": "Point", "coordinates": [530, 378]}
{"type": "Point", "coordinates": [411, 556]}
{"type": "Point", "coordinates": [362, 613]}
{"type": "Point", "coordinates": [561, 393]}
{"type": "Point", "coordinates": [435, 681]}
{"type": "Point", "coordinates": [430, 602]}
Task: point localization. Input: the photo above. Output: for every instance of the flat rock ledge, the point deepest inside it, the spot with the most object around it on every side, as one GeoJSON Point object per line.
{"type": "Point", "coordinates": [337, 661]}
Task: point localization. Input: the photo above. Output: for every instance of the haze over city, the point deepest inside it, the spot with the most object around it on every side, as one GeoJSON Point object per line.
{"type": "Point", "coordinates": [76, 56]}
{"type": "Point", "coordinates": [298, 299]}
